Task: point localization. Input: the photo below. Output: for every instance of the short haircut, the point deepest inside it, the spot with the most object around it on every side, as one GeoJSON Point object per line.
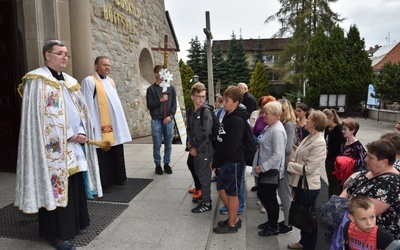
{"type": "Point", "coordinates": [218, 98]}
{"type": "Point", "coordinates": [320, 120]}
{"type": "Point", "coordinates": [97, 60]}
{"type": "Point", "coordinates": [157, 68]}
{"type": "Point", "coordinates": [351, 124]}
{"type": "Point", "coordinates": [359, 201]}
{"type": "Point", "coordinates": [274, 107]}
{"type": "Point", "coordinates": [198, 87]}
{"type": "Point", "coordinates": [394, 138]}
{"type": "Point", "coordinates": [259, 102]}
{"type": "Point", "coordinates": [234, 93]}
{"type": "Point", "coordinates": [383, 149]}
{"type": "Point", "coordinates": [48, 46]}
{"type": "Point", "coordinates": [267, 99]}
{"type": "Point", "coordinates": [331, 113]}
{"type": "Point", "coordinates": [288, 114]}
{"type": "Point", "coordinates": [303, 107]}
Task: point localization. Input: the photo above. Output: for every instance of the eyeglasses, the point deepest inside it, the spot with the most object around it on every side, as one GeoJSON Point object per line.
{"type": "Point", "coordinates": [60, 53]}
{"type": "Point", "coordinates": [200, 96]}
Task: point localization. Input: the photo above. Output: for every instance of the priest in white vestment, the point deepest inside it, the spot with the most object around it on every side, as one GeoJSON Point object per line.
{"type": "Point", "coordinates": [54, 159]}
{"type": "Point", "coordinates": [109, 121]}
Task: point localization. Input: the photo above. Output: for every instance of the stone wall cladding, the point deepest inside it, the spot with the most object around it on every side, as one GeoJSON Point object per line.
{"type": "Point", "coordinates": [123, 49]}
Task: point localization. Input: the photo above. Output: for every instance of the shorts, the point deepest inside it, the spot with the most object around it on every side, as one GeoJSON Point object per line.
{"type": "Point", "coordinates": [229, 178]}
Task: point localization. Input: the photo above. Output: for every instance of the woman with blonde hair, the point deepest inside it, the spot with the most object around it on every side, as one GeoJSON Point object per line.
{"type": "Point", "coordinates": [288, 119]}
{"type": "Point", "coordinates": [310, 155]}
{"type": "Point", "coordinates": [334, 138]}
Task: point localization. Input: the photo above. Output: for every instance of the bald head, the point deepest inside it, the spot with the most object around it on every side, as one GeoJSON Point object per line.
{"type": "Point", "coordinates": [243, 87]}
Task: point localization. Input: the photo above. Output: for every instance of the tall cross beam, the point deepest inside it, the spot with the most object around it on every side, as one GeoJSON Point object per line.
{"type": "Point", "coordinates": [165, 50]}
{"type": "Point", "coordinates": [207, 31]}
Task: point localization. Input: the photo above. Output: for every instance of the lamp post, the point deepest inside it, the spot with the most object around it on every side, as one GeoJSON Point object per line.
{"type": "Point", "coordinates": [195, 78]}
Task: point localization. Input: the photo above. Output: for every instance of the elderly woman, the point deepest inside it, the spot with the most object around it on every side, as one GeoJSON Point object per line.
{"type": "Point", "coordinates": [381, 183]}
{"type": "Point", "coordinates": [310, 154]}
{"type": "Point", "coordinates": [270, 160]}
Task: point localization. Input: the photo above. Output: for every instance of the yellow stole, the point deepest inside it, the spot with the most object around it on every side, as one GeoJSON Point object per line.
{"type": "Point", "coordinates": [104, 111]}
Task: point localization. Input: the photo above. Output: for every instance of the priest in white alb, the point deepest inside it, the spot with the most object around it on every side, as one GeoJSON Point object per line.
{"type": "Point", "coordinates": [109, 120]}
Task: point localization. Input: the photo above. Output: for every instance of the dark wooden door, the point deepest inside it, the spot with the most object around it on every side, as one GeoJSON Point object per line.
{"type": "Point", "coordinates": [10, 67]}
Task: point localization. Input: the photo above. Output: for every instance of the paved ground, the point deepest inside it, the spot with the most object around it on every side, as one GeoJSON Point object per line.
{"type": "Point", "coordinates": [160, 218]}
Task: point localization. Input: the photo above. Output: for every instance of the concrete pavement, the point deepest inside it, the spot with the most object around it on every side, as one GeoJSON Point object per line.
{"type": "Point", "coordinates": [160, 217]}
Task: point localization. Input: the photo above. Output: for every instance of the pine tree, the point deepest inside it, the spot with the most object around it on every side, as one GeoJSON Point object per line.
{"type": "Point", "coordinates": [258, 54]}
{"type": "Point", "coordinates": [220, 68]}
{"type": "Point", "coordinates": [238, 66]}
{"type": "Point", "coordinates": [259, 85]}
{"type": "Point", "coordinates": [196, 59]}
{"type": "Point", "coordinates": [359, 71]}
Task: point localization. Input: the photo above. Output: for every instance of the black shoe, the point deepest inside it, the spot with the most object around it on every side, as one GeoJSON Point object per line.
{"type": "Point", "coordinates": [283, 229]}
{"type": "Point", "coordinates": [268, 232]}
{"type": "Point", "coordinates": [223, 222]}
{"type": "Point", "coordinates": [197, 200]}
{"type": "Point", "coordinates": [167, 169]}
{"type": "Point", "coordinates": [253, 189]}
{"type": "Point", "coordinates": [82, 231]}
{"type": "Point", "coordinates": [63, 245]}
{"type": "Point", "coordinates": [263, 225]}
{"type": "Point", "coordinates": [159, 170]}
{"type": "Point", "coordinates": [225, 229]}
{"type": "Point", "coordinates": [214, 179]}
{"type": "Point", "coordinates": [201, 208]}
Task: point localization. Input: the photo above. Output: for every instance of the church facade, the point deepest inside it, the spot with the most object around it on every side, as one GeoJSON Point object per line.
{"type": "Point", "coordinates": [135, 35]}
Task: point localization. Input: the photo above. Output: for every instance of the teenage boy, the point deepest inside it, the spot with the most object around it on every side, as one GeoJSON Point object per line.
{"type": "Point", "coordinates": [228, 158]}
{"type": "Point", "coordinates": [199, 131]}
{"type": "Point", "coordinates": [361, 232]}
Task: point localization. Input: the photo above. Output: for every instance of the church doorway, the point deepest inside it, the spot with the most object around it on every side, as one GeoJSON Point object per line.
{"type": "Point", "coordinates": [11, 68]}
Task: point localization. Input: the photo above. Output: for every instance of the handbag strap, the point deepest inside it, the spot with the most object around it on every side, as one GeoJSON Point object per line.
{"type": "Point", "coordinates": [306, 189]}
{"type": "Point", "coordinates": [365, 183]}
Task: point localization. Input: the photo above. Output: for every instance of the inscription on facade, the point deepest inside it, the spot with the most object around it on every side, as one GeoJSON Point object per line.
{"type": "Point", "coordinates": [119, 19]}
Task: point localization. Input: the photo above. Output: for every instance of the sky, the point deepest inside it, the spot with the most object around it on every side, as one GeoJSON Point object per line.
{"type": "Point", "coordinates": [376, 20]}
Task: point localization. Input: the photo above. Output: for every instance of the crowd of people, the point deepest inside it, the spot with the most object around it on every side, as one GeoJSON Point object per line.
{"type": "Point", "coordinates": [61, 162]}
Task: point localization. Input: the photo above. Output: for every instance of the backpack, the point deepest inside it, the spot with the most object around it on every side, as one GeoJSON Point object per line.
{"type": "Point", "coordinates": [248, 145]}
{"type": "Point", "coordinates": [215, 126]}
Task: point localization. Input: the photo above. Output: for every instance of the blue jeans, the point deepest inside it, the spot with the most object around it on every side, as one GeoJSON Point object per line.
{"type": "Point", "coordinates": [242, 191]}
{"type": "Point", "coordinates": [158, 131]}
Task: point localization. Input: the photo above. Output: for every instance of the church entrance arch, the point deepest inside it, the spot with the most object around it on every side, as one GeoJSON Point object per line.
{"type": "Point", "coordinates": [146, 70]}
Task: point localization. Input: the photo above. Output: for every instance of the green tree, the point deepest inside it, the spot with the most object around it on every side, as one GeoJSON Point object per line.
{"type": "Point", "coordinates": [196, 59]}
{"type": "Point", "coordinates": [259, 85]}
{"type": "Point", "coordinates": [299, 20]}
{"type": "Point", "coordinates": [359, 71]}
{"type": "Point", "coordinates": [187, 82]}
{"type": "Point", "coordinates": [238, 66]}
{"type": "Point", "coordinates": [258, 54]}
{"type": "Point", "coordinates": [388, 85]}
{"type": "Point", "coordinates": [220, 68]}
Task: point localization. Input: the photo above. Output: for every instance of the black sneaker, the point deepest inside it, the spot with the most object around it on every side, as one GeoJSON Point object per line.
{"type": "Point", "coordinates": [167, 169]}
{"type": "Point", "coordinates": [159, 170]}
{"type": "Point", "coordinates": [225, 229]}
{"type": "Point", "coordinates": [283, 229]}
{"type": "Point", "coordinates": [223, 222]}
{"type": "Point", "coordinates": [202, 207]}
{"type": "Point", "coordinates": [263, 225]}
{"type": "Point", "coordinates": [268, 232]}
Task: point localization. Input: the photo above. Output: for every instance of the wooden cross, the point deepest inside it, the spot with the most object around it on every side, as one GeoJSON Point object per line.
{"type": "Point", "coordinates": [166, 50]}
